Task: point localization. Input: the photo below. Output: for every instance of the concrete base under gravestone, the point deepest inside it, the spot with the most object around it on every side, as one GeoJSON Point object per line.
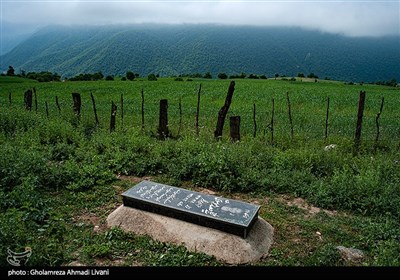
{"type": "Point", "coordinates": [225, 247]}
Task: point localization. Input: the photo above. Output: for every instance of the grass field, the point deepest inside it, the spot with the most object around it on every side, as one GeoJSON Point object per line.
{"type": "Point", "coordinates": [60, 178]}
{"type": "Point", "coordinates": [308, 102]}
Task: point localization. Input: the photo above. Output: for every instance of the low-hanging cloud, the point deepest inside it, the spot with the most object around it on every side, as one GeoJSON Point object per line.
{"type": "Point", "coordinates": [351, 18]}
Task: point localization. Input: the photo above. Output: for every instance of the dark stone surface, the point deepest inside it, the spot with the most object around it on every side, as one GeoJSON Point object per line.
{"type": "Point", "coordinates": [224, 214]}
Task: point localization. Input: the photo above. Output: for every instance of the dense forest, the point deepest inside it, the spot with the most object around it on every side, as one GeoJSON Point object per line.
{"type": "Point", "coordinates": [179, 49]}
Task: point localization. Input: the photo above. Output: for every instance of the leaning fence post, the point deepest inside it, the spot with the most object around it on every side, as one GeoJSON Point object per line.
{"type": "Point", "coordinates": [290, 114]}
{"type": "Point", "coordinates": [377, 122]}
{"type": "Point", "coordinates": [58, 105]}
{"type": "Point", "coordinates": [47, 108]}
{"type": "Point", "coordinates": [223, 111]}
{"type": "Point", "coordinates": [327, 119]}
{"type": "Point", "coordinates": [94, 109]}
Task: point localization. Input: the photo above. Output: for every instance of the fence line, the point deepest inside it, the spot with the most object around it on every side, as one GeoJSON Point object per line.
{"type": "Point", "coordinates": [31, 95]}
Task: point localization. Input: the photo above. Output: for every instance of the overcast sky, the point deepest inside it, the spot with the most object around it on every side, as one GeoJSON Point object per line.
{"type": "Point", "coordinates": [351, 18]}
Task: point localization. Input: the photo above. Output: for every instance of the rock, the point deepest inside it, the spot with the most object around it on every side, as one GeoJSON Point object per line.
{"type": "Point", "coordinates": [75, 263]}
{"type": "Point", "coordinates": [330, 147]}
{"type": "Point", "coordinates": [351, 254]}
{"type": "Point", "coordinates": [225, 247]}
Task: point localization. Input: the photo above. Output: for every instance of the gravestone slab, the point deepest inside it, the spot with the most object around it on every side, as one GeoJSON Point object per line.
{"type": "Point", "coordinates": [229, 215]}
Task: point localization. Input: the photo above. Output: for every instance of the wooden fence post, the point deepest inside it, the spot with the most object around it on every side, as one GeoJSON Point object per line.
{"type": "Point", "coordinates": [94, 109]}
{"type": "Point", "coordinates": [10, 99]}
{"type": "Point", "coordinates": [142, 110]}
{"type": "Point", "coordinates": [290, 114]}
{"type": "Point", "coordinates": [357, 137]}
{"type": "Point", "coordinates": [163, 131]}
{"type": "Point", "coordinates": [271, 123]}
{"type": "Point", "coordinates": [327, 119]}
{"type": "Point", "coordinates": [28, 100]}
{"type": "Point", "coordinates": [377, 122]}
{"type": "Point", "coordinates": [254, 120]}
{"type": "Point", "coordinates": [76, 97]}
{"type": "Point", "coordinates": [113, 114]}
{"type": "Point", "coordinates": [47, 108]}
{"type": "Point", "coordinates": [235, 128]}
{"type": "Point", "coordinates": [35, 97]}
{"type": "Point", "coordinates": [223, 111]}
{"type": "Point", "coordinates": [58, 105]}
{"type": "Point", "coordinates": [198, 111]}
{"type": "Point", "coordinates": [180, 116]}
{"type": "Point", "coordinates": [122, 110]}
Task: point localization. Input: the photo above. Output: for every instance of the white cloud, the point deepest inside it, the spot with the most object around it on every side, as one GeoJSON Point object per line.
{"type": "Point", "coordinates": [352, 18]}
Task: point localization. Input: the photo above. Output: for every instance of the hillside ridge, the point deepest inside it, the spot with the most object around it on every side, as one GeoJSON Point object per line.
{"type": "Point", "coordinates": [179, 49]}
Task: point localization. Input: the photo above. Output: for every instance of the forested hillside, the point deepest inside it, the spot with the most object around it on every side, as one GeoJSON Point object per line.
{"type": "Point", "coordinates": [180, 49]}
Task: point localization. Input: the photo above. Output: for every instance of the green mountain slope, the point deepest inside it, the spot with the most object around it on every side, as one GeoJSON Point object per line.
{"type": "Point", "coordinates": [179, 49]}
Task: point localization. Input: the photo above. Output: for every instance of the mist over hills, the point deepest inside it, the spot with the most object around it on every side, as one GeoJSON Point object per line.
{"type": "Point", "coordinates": [14, 33]}
{"type": "Point", "coordinates": [179, 49]}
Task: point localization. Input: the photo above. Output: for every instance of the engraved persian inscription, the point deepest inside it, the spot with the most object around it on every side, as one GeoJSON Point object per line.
{"type": "Point", "coordinates": [217, 212]}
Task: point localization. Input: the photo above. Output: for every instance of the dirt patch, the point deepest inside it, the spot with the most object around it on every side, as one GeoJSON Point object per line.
{"type": "Point", "coordinates": [118, 189]}
{"type": "Point", "coordinates": [206, 191]}
{"type": "Point", "coordinates": [75, 263]}
{"type": "Point", "coordinates": [304, 205]}
{"type": "Point", "coordinates": [90, 218]}
{"type": "Point", "coordinates": [133, 179]}
{"type": "Point", "coordinates": [105, 262]}
{"type": "Point", "coordinates": [115, 262]}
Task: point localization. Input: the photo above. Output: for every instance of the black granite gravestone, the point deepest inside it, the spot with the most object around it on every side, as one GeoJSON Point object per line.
{"type": "Point", "coordinates": [224, 214]}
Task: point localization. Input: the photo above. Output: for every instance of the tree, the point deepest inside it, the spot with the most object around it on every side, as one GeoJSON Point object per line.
{"type": "Point", "coordinates": [207, 75]}
{"type": "Point", "coordinates": [300, 75]}
{"type": "Point", "coordinates": [97, 76]}
{"type": "Point", "coordinates": [10, 71]}
{"type": "Point", "coordinates": [109, 78]}
{"type": "Point", "coordinates": [253, 76]}
{"type": "Point", "coordinates": [44, 76]}
{"type": "Point", "coordinates": [392, 83]}
{"type": "Point", "coordinates": [130, 75]}
{"type": "Point", "coordinates": [222, 76]}
{"type": "Point", "coordinates": [276, 75]}
{"type": "Point", "coordinates": [152, 77]}
{"type": "Point", "coordinates": [312, 75]}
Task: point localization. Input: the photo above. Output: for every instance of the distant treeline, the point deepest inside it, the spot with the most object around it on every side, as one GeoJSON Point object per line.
{"type": "Point", "coordinates": [46, 76]}
{"type": "Point", "coordinates": [88, 77]}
